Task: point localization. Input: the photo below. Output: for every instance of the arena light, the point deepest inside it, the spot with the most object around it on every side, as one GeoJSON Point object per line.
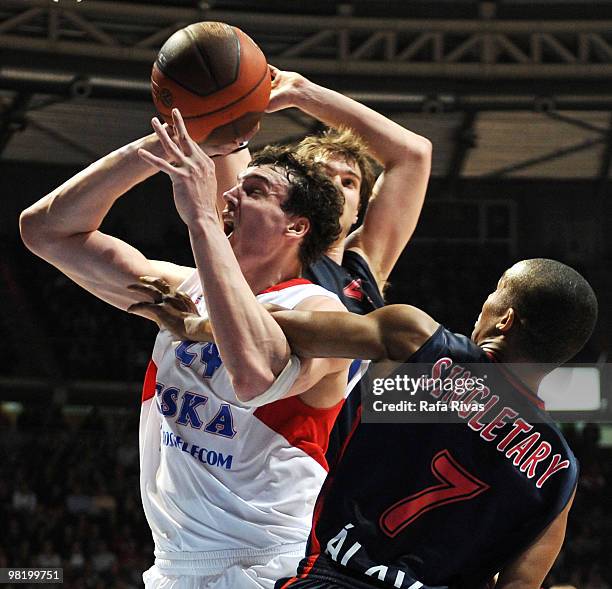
{"type": "Point", "coordinates": [576, 388]}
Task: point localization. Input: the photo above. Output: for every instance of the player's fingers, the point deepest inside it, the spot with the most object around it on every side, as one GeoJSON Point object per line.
{"type": "Point", "coordinates": [174, 304]}
{"type": "Point", "coordinates": [187, 304]}
{"type": "Point", "coordinates": [182, 136]}
{"type": "Point", "coordinates": [148, 290]}
{"type": "Point", "coordinates": [160, 315]}
{"type": "Point", "coordinates": [172, 132]}
{"type": "Point", "coordinates": [274, 71]}
{"type": "Point", "coordinates": [186, 142]}
{"type": "Point", "coordinates": [148, 310]}
{"type": "Point", "coordinates": [140, 306]}
{"type": "Point", "coordinates": [157, 282]}
{"type": "Point", "coordinates": [170, 147]}
{"type": "Point", "coordinates": [157, 162]}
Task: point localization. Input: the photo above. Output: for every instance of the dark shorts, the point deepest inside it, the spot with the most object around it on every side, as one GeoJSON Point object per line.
{"type": "Point", "coordinates": [324, 574]}
{"type": "Point", "coordinates": [315, 581]}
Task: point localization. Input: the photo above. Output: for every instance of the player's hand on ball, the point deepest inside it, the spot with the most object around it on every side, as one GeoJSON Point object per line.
{"type": "Point", "coordinates": [286, 89]}
{"type": "Point", "coordinates": [170, 309]}
{"type": "Point", "coordinates": [192, 173]}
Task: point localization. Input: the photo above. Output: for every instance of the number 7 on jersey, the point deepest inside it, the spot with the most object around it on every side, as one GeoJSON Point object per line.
{"type": "Point", "coordinates": [456, 484]}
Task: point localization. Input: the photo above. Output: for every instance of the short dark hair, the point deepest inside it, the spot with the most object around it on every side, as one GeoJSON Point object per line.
{"type": "Point", "coordinates": [556, 308]}
{"type": "Point", "coordinates": [311, 195]}
{"type": "Point", "coordinates": [345, 144]}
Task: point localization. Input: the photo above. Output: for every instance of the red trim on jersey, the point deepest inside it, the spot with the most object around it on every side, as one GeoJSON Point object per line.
{"type": "Point", "coordinates": [286, 284]}
{"type": "Point", "coordinates": [306, 568]}
{"type": "Point", "coordinates": [148, 387]}
{"type": "Point", "coordinates": [303, 426]}
{"type": "Point", "coordinates": [315, 545]}
{"type": "Point", "coordinates": [516, 383]}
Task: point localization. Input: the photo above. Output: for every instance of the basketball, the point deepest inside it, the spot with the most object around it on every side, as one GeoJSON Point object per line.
{"type": "Point", "coordinates": [216, 76]}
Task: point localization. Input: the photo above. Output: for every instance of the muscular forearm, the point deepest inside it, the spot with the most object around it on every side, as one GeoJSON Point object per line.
{"type": "Point", "coordinates": [310, 334]}
{"type": "Point", "coordinates": [253, 347]}
{"type": "Point", "coordinates": [331, 335]}
{"type": "Point", "coordinates": [391, 333]}
{"type": "Point", "coordinates": [80, 204]}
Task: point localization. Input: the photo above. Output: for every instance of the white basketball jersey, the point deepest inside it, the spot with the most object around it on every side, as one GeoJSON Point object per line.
{"type": "Point", "coordinates": [217, 475]}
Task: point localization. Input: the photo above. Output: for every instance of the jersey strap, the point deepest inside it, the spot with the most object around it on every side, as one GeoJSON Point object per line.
{"type": "Point", "coordinates": [280, 387]}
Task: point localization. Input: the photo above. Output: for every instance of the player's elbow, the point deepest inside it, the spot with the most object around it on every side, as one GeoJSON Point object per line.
{"type": "Point", "coordinates": [419, 150]}
{"type": "Point", "coordinates": [32, 230]}
{"type": "Point", "coordinates": [411, 152]}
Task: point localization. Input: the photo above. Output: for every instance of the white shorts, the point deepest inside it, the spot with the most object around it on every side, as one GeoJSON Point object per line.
{"type": "Point", "coordinates": [250, 573]}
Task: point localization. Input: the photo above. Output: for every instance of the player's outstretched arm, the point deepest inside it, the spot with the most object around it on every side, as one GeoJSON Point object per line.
{"type": "Point", "coordinates": [63, 227]}
{"type": "Point", "coordinates": [531, 567]}
{"type": "Point", "coordinates": [399, 193]}
{"type": "Point", "coordinates": [393, 332]}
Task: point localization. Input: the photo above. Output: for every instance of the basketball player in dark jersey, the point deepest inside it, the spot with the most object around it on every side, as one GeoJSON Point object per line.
{"type": "Point", "coordinates": [395, 199]}
{"type": "Point", "coordinates": [358, 264]}
{"type": "Point", "coordinates": [452, 504]}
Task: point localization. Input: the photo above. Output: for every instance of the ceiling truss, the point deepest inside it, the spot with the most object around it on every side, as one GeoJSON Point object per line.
{"type": "Point", "coordinates": [479, 48]}
{"type": "Point", "coordinates": [103, 50]}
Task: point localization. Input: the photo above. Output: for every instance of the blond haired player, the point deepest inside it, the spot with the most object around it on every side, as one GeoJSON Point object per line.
{"type": "Point", "coordinates": [356, 267]}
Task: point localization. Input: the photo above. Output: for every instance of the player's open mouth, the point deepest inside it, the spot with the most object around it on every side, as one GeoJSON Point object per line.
{"type": "Point", "coordinates": [229, 215]}
{"type": "Point", "coordinates": [228, 218]}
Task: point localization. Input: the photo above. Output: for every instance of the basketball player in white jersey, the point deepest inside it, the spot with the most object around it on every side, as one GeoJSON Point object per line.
{"type": "Point", "coordinates": [232, 435]}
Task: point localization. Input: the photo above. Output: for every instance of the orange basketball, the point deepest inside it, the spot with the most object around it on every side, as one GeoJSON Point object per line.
{"type": "Point", "coordinates": [216, 76]}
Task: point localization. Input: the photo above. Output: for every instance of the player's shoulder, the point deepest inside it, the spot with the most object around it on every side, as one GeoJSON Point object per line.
{"type": "Point", "coordinates": [320, 302]}
{"type": "Point", "coordinates": [297, 292]}
{"type": "Point", "coordinates": [355, 260]}
{"type": "Point", "coordinates": [444, 342]}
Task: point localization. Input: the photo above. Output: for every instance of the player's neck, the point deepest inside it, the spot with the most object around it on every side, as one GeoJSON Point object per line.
{"type": "Point", "coordinates": [336, 251]}
{"type": "Point", "coordinates": [523, 368]}
{"type": "Point", "coordinates": [263, 272]}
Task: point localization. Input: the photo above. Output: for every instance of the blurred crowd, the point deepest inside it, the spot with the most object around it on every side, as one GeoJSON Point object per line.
{"type": "Point", "coordinates": [584, 561]}
{"type": "Point", "coordinates": [69, 497]}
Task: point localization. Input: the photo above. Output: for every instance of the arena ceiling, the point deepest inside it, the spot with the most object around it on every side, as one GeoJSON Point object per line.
{"type": "Point", "coordinates": [505, 89]}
